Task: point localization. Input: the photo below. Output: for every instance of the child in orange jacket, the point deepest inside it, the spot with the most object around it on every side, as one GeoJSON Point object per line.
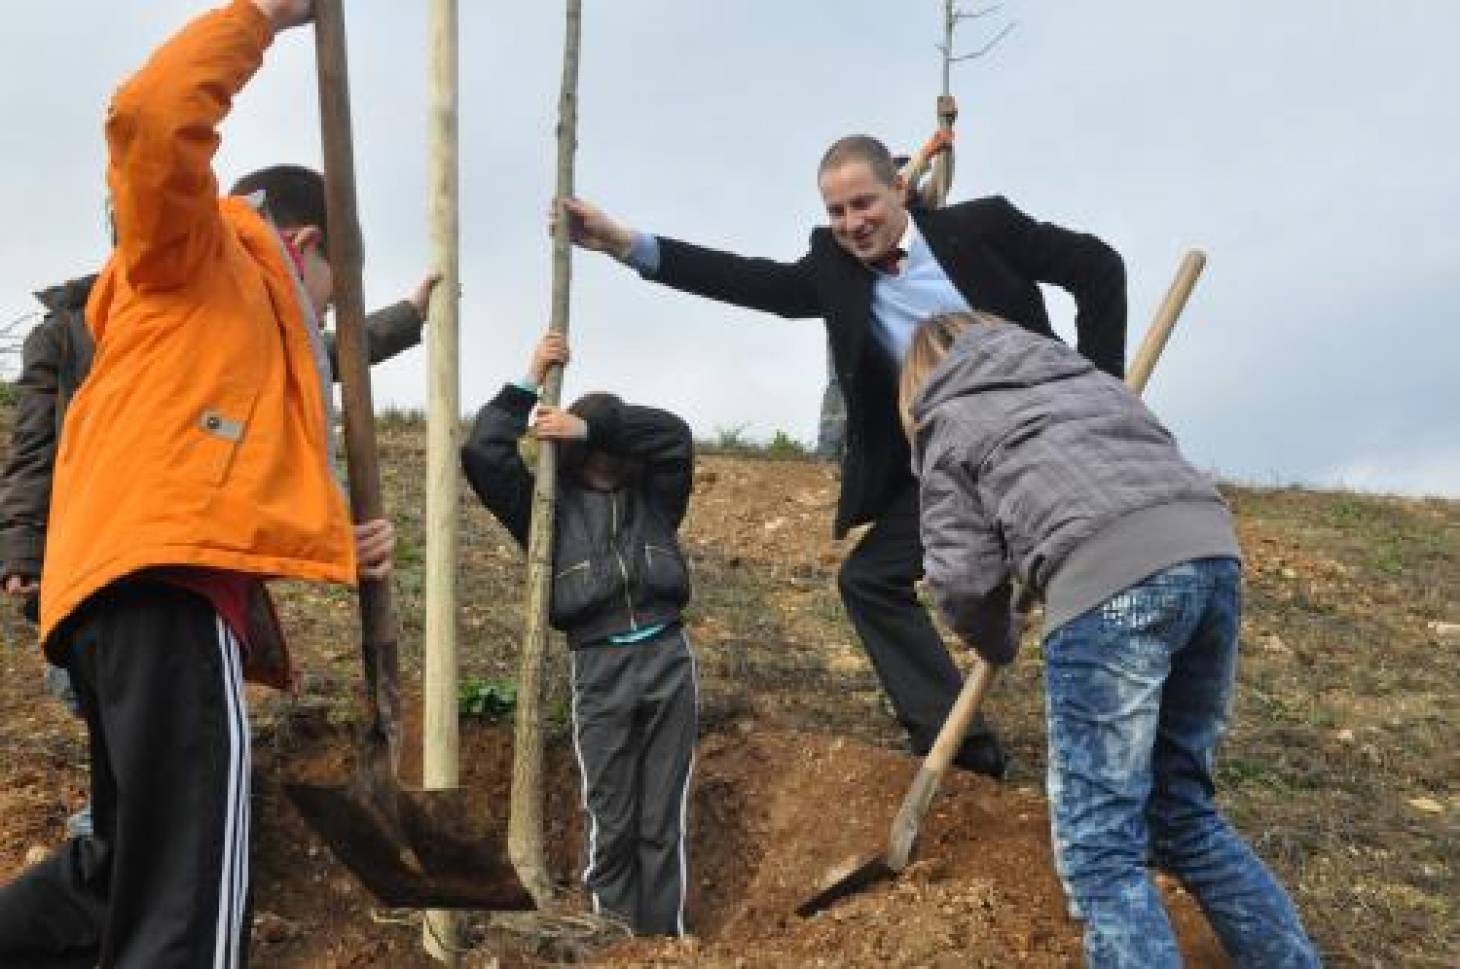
{"type": "Point", "coordinates": [194, 463]}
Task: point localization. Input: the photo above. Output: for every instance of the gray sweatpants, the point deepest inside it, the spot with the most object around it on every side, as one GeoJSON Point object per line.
{"type": "Point", "coordinates": [634, 726]}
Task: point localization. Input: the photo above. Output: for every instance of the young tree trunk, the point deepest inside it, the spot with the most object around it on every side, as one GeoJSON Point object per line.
{"type": "Point", "coordinates": [441, 754]}
{"type": "Point", "coordinates": [942, 174]}
{"type": "Point", "coordinates": [525, 829]}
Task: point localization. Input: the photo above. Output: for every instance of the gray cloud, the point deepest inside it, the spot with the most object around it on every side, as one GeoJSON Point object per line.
{"type": "Point", "coordinates": [1309, 147]}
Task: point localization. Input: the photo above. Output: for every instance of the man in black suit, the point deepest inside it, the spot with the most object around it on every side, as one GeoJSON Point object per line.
{"type": "Point", "coordinates": [873, 274]}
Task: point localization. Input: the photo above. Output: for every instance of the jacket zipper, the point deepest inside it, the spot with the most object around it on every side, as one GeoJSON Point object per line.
{"type": "Point", "coordinates": [573, 568]}
{"type": "Point", "coordinates": [623, 569]}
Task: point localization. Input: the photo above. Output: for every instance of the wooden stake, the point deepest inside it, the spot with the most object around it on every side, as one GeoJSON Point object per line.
{"type": "Point", "coordinates": [440, 933]}
{"type": "Point", "coordinates": [525, 829]}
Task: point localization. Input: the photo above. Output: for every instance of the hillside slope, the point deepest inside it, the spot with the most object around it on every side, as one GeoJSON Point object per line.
{"type": "Point", "coordinates": [1343, 765]}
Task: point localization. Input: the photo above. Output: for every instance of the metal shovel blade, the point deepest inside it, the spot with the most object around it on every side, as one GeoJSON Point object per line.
{"type": "Point", "coordinates": [867, 873]}
{"type": "Point", "coordinates": [440, 864]}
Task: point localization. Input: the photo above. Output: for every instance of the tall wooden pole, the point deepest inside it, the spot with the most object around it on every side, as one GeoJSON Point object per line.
{"type": "Point", "coordinates": [525, 829]}
{"type": "Point", "coordinates": [441, 756]}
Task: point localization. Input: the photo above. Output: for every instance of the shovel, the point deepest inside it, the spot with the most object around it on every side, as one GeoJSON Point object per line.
{"type": "Point", "coordinates": [409, 849]}
{"type": "Point", "coordinates": [904, 834]}
{"type": "Point", "coordinates": [889, 864]}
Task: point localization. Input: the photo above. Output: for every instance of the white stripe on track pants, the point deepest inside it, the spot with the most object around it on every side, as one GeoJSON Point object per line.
{"type": "Point", "coordinates": [164, 882]}
{"type": "Point", "coordinates": [634, 726]}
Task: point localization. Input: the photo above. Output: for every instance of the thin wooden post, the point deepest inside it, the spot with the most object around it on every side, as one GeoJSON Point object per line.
{"type": "Point", "coordinates": [525, 829]}
{"type": "Point", "coordinates": [440, 933]}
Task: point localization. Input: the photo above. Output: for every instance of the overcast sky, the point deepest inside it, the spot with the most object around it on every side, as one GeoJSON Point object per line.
{"type": "Point", "coordinates": [1309, 146]}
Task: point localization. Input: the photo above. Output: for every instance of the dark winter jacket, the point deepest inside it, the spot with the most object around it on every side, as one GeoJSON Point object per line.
{"type": "Point", "coordinates": [617, 564]}
{"type": "Point", "coordinates": [55, 360]}
{"type": "Point", "coordinates": [995, 256]}
{"type": "Point", "coordinates": [1035, 465]}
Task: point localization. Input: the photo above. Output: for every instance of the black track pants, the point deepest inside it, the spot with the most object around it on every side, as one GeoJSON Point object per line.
{"type": "Point", "coordinates": [877, 586]}
{"type": "Point", "coordinates": [163, 883]}
{"type": "Point", "coordinates": [634, 724]}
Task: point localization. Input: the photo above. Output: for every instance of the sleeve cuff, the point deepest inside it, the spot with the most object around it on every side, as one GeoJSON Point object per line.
{"type": "Point", "coordinates": [515, 401]}
{"type": "Point", "coordinates": [643, 254]}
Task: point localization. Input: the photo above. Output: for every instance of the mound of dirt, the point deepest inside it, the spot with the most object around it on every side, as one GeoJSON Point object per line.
{"type": "Point", "coordinates": [773, 814]}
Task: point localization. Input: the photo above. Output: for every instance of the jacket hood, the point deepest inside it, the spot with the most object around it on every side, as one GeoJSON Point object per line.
{"type": "Point", "coordinates": [70, 295]}
{"type": "Point", "coordinates": [989, 357]}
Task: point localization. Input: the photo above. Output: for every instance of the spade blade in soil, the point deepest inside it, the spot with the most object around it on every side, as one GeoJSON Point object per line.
{"type": "Point", "coordinates": [869, 872]}
{"type": "Point", "coordinates": [442, 865]}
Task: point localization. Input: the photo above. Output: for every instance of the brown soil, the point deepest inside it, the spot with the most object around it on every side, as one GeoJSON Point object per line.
{"type": "Point", "coordinates": [773, 814]}
{"type": "Point", "coordinates": [1343, 770]}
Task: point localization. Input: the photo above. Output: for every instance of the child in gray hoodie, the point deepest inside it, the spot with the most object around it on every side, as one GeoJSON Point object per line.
{"type": "Point", "coordinates": [1035, 466]}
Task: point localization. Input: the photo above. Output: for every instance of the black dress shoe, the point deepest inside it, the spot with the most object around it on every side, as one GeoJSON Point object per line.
{"type": "Point", "coordinates": [988, 759]}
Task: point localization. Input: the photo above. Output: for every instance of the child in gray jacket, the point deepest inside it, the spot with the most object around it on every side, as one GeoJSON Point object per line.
{"type": "Point", "coordinates": [1035, 466]}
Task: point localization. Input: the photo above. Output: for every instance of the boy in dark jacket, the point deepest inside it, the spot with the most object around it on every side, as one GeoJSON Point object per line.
{"type": "Point", "coordinates": [1034, 465]}
{"type": "Point", "coordinates": [619, 585]}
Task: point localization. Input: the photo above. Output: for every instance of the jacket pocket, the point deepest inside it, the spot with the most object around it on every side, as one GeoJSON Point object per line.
{"type": "Point", "coordinates": [665, 574]}
{"type": "Point", "coordinates": [214, 435]}
{"type": "Point", "coordinates": [576, 592]}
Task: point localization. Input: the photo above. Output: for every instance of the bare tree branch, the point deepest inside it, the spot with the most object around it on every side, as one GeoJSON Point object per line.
{"type": "Point", "coordinates": [1008, 28]}
{"type": "Point", "coordinates": [975, 14]}
{"type": "Point", "coordinates": [12, 340]}
{"type": "Point", "coordinates": [953, 15]}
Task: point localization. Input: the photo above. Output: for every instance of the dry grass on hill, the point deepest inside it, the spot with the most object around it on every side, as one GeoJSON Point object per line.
{"type": "Point", "coordinates": [1343, 766]}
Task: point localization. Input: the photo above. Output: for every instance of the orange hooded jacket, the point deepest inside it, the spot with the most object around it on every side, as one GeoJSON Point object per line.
{"type": "Point", "coordinates": [200, 437]}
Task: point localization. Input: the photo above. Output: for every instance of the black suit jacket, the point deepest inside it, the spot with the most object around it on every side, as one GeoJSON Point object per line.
{"type": "Point", "coordinates": [994, 254]}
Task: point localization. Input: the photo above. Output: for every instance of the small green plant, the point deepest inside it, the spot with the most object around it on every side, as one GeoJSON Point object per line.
{"type": "Point", "coordinates": [1349, 512]}
{"type": "Point", "coordinates": [732, 438]}
{"type": "Point", "coordinates": [488, 699]}
{"type": "Point", "coordinates": [8, 393]}
{"type": "Point", "coordinates": [783, 445]}
{"type": "Point", "coordinates": [408, 552]}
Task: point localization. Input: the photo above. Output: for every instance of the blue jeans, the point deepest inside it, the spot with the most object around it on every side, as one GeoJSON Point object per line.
{"type": "Point", "coordinates": [1137, 696]}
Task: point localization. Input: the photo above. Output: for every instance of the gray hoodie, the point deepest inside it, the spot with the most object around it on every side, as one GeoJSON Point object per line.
{"type": "Point", "coordinates": [1035, 465]}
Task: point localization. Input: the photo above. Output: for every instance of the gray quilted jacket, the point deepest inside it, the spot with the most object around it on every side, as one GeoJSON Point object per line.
{"type": "Point", "coordinates": [1029, 459]}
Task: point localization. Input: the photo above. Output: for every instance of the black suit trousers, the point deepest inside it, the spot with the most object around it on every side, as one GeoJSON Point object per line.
{"type": "Point", "coordinates": [877, 583]}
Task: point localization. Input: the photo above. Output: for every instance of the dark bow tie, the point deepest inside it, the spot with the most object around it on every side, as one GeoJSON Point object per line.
{"type": "Point", "coordinates": [890, 262]}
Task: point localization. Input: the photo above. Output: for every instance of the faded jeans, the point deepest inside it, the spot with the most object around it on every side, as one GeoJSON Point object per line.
{"type": "Point", "coordinates": [1137, 696]}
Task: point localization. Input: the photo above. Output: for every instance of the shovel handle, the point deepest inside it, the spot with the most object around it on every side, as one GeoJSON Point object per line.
{"type": "Point", "coordinates": [1166, 315]}
{"type": "Point", "coordinates": [909, 820]}
{"type": "Point", "coordinates": [346, 251]}
{"type": "Point", "coordinates": [955, 728]}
